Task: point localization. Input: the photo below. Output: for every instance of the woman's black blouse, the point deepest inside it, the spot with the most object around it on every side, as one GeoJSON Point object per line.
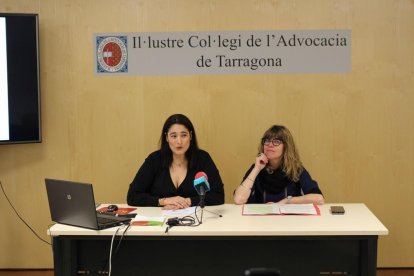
{"type": "Point", "coordinates": [153, 182]}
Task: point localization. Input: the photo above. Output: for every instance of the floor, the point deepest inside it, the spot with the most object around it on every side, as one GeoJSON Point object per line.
{"type": "Point", "coordinates": [380, 272]}
{"type": "Point", "coordinates": [395, 272]}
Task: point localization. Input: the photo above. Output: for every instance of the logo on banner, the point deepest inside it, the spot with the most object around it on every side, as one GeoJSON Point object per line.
{"type": "Point", "coordinates": [112, 54]}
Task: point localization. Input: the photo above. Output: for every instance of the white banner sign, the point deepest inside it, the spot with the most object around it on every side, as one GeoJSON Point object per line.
{"type": "Point", "coordinates": [246, 52]}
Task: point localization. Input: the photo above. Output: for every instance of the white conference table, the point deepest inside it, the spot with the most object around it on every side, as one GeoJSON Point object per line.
{"type": "Point", "coordinates": [325, 244]}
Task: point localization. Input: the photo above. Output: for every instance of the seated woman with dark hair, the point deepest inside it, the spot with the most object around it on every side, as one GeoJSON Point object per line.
{"type": "Point", "coordinates": [167, 176]}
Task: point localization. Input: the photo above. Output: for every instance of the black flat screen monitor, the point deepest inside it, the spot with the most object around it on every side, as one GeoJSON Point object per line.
{"type": "Point", "coordinates": [19, 79]}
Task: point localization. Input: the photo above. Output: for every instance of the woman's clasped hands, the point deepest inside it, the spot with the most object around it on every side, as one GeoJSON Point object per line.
{"type": "Point", "coordinates": [176, 202]}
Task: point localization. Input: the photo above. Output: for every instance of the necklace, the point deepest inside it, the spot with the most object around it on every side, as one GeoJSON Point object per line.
{"type": "Point", "coordinates": [270, 169]}
{"type": "Point", "coordinates": [179, 164]}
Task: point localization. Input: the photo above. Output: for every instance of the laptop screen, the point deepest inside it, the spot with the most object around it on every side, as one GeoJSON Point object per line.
{"type": "Point", "coordinates": [71, 203]}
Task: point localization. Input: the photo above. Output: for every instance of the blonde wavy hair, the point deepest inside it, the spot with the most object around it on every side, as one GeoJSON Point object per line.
{"type": "Point", "coordinates": [291, 164]}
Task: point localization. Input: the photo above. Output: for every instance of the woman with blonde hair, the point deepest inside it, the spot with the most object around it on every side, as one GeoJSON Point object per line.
{"type": "Point", "coordinates": [278, 176]}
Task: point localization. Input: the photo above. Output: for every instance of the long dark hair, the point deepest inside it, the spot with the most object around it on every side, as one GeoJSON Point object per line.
{"type": "Point", "coordinates": [166, 153]}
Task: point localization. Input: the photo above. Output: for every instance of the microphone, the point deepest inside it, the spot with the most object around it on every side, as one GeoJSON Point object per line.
{"type": "Point", "coordinates": [202, 186]}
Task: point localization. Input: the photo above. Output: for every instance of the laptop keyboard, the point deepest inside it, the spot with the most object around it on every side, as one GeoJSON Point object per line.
{"type": "Point", "coordinates": [102, 220]}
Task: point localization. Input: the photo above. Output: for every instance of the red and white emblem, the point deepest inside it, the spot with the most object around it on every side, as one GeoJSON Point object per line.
{"type": "Point", "coordinates": [112, 54]}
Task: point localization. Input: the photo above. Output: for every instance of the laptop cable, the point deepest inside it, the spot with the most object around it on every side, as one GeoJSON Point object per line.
{"type": "Point", "coordinates": [112, 243]}
{"type": "Point", "coordinates": [18, 215]}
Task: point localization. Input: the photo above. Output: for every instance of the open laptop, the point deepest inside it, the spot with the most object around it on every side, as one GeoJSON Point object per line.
{"type": "Point", "coordinates": [73, 203]}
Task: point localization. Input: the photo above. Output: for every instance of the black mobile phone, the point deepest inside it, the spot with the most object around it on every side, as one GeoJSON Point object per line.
{"type": "Point", "coordinates": [337, 210]}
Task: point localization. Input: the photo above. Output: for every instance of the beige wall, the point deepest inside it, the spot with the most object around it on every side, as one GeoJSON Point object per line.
{"type": "Point", "coordinates": [355, 131]}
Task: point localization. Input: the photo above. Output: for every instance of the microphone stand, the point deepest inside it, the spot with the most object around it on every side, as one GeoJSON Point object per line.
{"type": "Point", "coordinates": [200, 221]}
{"type": "Point", "coordinates": [214, 213]}
{"type": "Point", "coordinates": [202, 212]}
{"type": "Point", "coordinates": [201, 204]}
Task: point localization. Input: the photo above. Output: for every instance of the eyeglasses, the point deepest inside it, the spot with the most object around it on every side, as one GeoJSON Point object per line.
{"type": "Point", "coordinates": [275, 142]}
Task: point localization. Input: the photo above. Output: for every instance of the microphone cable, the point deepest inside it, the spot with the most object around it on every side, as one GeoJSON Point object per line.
{"type": "Point", "coordinates": [184, 221]}
{"type": "Point", "coordinates": [18, 215]}
{"type": "Point", "coordinates": [200, 221]}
